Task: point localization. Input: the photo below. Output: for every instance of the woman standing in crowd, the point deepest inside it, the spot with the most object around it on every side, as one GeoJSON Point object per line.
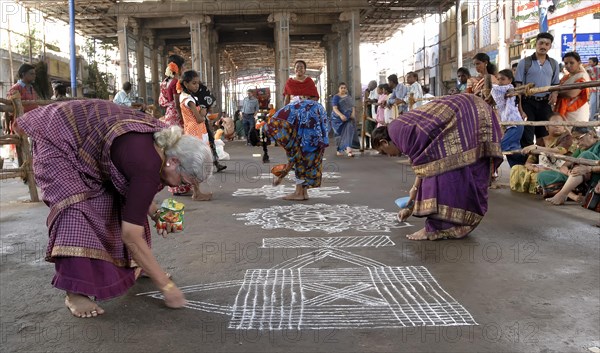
{"type": "Point", "coordinates": [453, 144]}
{"type": "Point", "coordinates": [573, 104]}
{"type": "Point", "coordinates": [99, 166]}
{"type": "Point", "coordinates": [484, 67]}
{"type": "Point", "coordinates": [169, 99]}
{"type": "Point", "coordinates": [343, 120]}
{"type": "Point", "coordinates": [25, 88]}
{"type": "Point", "coordinates": [301, 128]}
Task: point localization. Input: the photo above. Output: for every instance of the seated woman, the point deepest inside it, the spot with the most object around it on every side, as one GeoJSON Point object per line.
{"type": "Point", "coordinates": [571, 176]}
{"type": "Point", "coordinates": [523, 178]}
{"type": "Point", "coordinates": [453, 144]}
{"type": "Point", "coordinates": [573, 104]}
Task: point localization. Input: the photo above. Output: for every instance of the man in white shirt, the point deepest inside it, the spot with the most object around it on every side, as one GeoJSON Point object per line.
{"type": "Point", "coordinates": [122, 98]}
{"type": "Point", "coordinates": [414, 87]}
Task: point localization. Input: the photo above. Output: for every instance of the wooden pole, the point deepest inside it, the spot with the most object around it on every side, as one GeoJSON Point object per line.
{"type": "Point", "coordinates": [552, 123]}
{"type": "Point", "coordinates": [529, 90]}
{"type": "Point", "coordinates": [581, 161]}
{"type": "Point", "coordinates": [26, 166]}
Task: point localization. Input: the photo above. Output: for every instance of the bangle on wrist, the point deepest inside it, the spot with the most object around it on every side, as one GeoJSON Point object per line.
{"type": "Point", "coordinates": [167, 287]}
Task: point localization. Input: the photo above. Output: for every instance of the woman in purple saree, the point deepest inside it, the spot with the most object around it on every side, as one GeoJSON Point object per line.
{"type": "Point", "coordinates": [453, 144]}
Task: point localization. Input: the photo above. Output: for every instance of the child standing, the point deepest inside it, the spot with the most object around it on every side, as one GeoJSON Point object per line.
{"type": "Point", "coordinates": [193, 116]}
{"type": "Point", "coordinates": [382, 91]}
{"type": "Point", "coordinates": [509, 111]}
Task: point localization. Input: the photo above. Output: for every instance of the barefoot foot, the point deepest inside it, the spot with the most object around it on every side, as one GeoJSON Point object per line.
{"type": "Point", "coordinates": [294, 197]}
{"type": "Point", "coordinates": [201, 197]}
{"type": "Point", "coordinates": [82, 306]}
{"type": "Point", "coordinates": [557, 200]}
{"type": "Point", "coordinates": [419, 235]}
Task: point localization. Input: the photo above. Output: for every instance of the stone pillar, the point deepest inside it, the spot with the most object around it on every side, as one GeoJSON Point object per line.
{"type": "Point", "coordinates": [282, 22]}
{"type": "Point", "coordinates": [343, 51]}
{"type": "Point", "coordinates": [138, 31]}
{"type": "Point", "coordinates": [330, 42]}
{"type": "Point", "coordinates": [353, 80]}
{"type": "Point", "coordinates": [200, 44]}
{"type": "Point", "coordinates": [154, 67]}
{"type": "Point", "coordinates": [459, 48]}
{"type": "Point", "coordinates": [216, 72]}
{"type": "Point", "coordinates": [122, 33]}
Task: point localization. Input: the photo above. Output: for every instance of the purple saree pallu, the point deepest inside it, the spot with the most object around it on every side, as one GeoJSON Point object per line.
{"type": "Point", "coordinates": [453, 144]}
{"type": "Point", "coordinates": [85, 191]}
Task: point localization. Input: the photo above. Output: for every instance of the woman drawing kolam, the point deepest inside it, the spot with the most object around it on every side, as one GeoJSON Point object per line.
{"type": "Point", "coordinates": [99, 166]}
{"type": "Point", "coordinates": [453, 143]}
{"type": "Point", "coordinates": [301, 128]}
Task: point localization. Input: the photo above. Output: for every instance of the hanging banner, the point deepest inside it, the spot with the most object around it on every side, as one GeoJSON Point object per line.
{"type": "Point", "coordinates": [528, 14]}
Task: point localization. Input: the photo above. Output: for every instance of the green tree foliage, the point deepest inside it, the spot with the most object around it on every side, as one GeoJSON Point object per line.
{"type": "Point", "coordinates": [97, 81]}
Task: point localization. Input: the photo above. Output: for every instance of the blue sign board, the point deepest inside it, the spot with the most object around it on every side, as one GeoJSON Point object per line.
{"type": "Point", "coordinates": [588, 45]}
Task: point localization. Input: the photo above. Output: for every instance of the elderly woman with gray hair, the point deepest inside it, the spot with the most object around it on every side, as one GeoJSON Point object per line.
{"type": "Point", "coordinates": [99, 166]}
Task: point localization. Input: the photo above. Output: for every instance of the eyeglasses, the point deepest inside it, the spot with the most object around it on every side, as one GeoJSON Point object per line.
{"type": "Point", "coordinates": [580, 137]}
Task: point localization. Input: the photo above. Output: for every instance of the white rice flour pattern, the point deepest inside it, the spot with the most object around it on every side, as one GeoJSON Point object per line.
{"type": "Point", "coordinates": [291, 177]}
{"type": "Point", "coordinates": [328, 242]}
{"type": "Point", "coordinates": [277, 192]}
{"type": "Point", "coordinates": [296, 294]}
{"type": "Point", "coordinates": [328, 218]}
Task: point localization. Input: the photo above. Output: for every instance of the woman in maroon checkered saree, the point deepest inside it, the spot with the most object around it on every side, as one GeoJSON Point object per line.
{"type": "Point", "coordinates": [99, 166]}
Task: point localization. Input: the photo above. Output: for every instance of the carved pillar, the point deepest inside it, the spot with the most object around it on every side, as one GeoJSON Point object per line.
{"type": "Point", "coordinates": [354, 84]}
{"type": "Point", "coordinates": [216, 72]}
{"type": "Point", "coordinates": [122, 23]}
{"type": "Point", "coordinates": [330, 42]}
{"type": "Point", "coordinates": [140, 46]}
{"type": "Point", "coordinates": [342, 51]}
{"type": "Point", "coordinates": [154, 67]}
{"type": "Point", "coordinates": [200, 44]}
{"type": "Point", "coordinates": [282, 51]}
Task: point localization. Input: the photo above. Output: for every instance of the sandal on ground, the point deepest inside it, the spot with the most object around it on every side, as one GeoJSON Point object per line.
{"type": "Point", "coordinates": [339, 153]}
{"type": "Point", "coordinates": [350, 154]}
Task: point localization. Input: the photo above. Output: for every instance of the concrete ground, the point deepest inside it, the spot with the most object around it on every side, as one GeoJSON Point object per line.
{"type": "Point", "coordinates": [528, 275]}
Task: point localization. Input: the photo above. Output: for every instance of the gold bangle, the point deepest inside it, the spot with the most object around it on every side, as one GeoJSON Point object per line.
{"type": "Point", "coordinates": [168, 287]}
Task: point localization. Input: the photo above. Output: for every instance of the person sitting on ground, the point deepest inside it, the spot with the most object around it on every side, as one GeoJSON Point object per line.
{"type": "Point", "coordinates": [572, 175]}
{"type": "Point", "coordinates": [524, 178]}
{"type": "Point", "coordinates": [427, 97]}
{"type": "Point", "coordinates": [453, 144]}
{"type": "Point", "coordinates": [123, 98]}
{"type": "Point", "coordinates": [99, 166]}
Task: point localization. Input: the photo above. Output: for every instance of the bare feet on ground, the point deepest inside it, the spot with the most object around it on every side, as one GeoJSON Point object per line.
{"type": "Point", "coordinates": [557, 200]}
{"type": "Point", "coordinates": [419, 235]}
{"type": "Point", "coordinates": [294, 197]}
{"type": "Point", "coordinates": [202, 197]}
{"type": "Point", "coordinates": [174, 298]}
{"type": "Point", "coordinates": [82, 306]}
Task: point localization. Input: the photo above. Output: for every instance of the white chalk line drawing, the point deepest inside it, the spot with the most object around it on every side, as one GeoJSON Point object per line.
{"type": "Point", "coordinates": [328, 218]}
{"type": "Point", "coordinates": [291, 177]}
{"type": "Point", "coordinates": [293, 295]}
{"type": "Point", "coordinates": [328, 242]}
{"type": "Point", "coordinates": [277, 192]}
